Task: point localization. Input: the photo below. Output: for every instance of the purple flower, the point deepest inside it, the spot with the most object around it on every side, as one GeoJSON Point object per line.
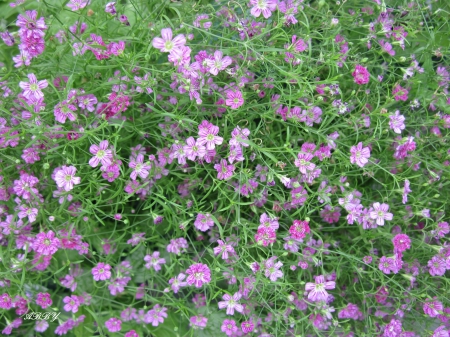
{"type": "Point", "coordinates": [396, 122]}
{"type": "Point", "coordinates": [199, 273]}
{"type": "Point", "coordinates": [113, 324]}
{"type": "Point", "coordinates": [359, 155]}
{"type": "Point", "coordinates": [219, 63]}
{"type": "Point", "coordinates": [229, 327]}
{"type": "Point", "coordinates": [101, 154]}
{"type": "Point", "coordinates": [230, 302]}
{"type": "Point", "coordinates": [224, 171]}
{"type": "Point", "coordinates": [156, 316]}
{"type": "Point", "coordinates": [72, 303]}
{"type": "Point", "coordinates": [380, 213]}
{"type": "Point", "coordinates": [204, 222]}
{"type": "Point", "coordinates": [234, 99]}
{"type": "Point", "coordinates": [65, 178]}
{"type": "Point", "coordinates": [224, 249]}
{"type": "Point", "coordinates": [139, 167]}
{"type": "Point", "coordinates": [33, 88]}
{"type": "Point", "coordinates": [167, 43]}
{"type": "Point", "coordinates": [209, 137]}
{"type": "Point", "coordinates": [317, 290]}
{"type": "Point", "coordinates": [303, 162]}
{"type": "Point", "coordinates": [154, 261]}
{"type": "Point", "coordinates": [266, 7]}
{"type": "Point", "coordinates": [177, 282]}
{"type": "Point", "coordinates": [75, 5]}
{"type": "Point", "coordinates": [386, 265]}
{"type": "Point", "coordinates": [437, 266]}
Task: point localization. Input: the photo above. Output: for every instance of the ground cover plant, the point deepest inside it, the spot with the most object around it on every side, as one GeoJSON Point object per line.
{"type": "Point", "coordinates": [224, 168]}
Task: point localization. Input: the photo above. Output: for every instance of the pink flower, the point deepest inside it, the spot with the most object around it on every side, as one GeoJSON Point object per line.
{"type": "Point", "coordinates": [432, 307]}
{"type": "Point", "coordinates": [299, 229]}
{"type": "Point", "coordinates": [156, 316]}
{"type": "Point", "coordinates": [230, 302]}
{"type": "Point", "coordinates": [72, 303]}
{"type": "Point", "coordinates": [5, 301]}
{"type": "Point", "coordinates": [166, 43]}
{"type": "Point", "coordinates": [247, 327]}
{"type": "Point", "coordinates": [177, 282]}
{"type": "Point", "coordinates": [401, 242]}
{"type": "Point", "coordinates": [303, 162]}
{"type": "Point", "coordinates": [266, 7]}
{"type": "Point", "coordinates": [317, 290]}
{"type": "Point", "coordinates": [265, 236]}
{"type": "Point", "coordinates": [46, 244]}
{"type": "Point", "coordinates": [219, 63]}
{"type": "Point", "coordinates": [361, 75]}
{"type": "Point", "coordinates": [101, 272]}
{"type": "Point", "coordinates": [234, 99]}
{"type": "Point", "coordinates": [224, 171]}
{"type": "Point", "coordinates": [101, 154]}
{"type": "Point", "coordinates": [113, 324]}
{"type": "Point", "coordinates": [75, 5]}
{"type": "Point", "coordinates": [359, 155]}
{"type": "Point", "coordinates": [209, 137]}
{"type": "Point", "coordinates": [380, 213]}
{"type": "Point", "coordinates": [154, 261]}
{"type": "Point", "coordinates": [65, 178]}
{"type": "Point", "coordinates": [140, 168]}
{"type": "Point", "coordinates": [386, 264]}
{"type": "Point", "coordinates": [199, 273]}
{"type": "Point", "coordinates": [224, 249]}
{"type": "Point", "coordinates": [43, 300]}
{"type": "Point", "coordinates": [229, 327]}
{"type": "Point", "coordinates": [33, 88]}
{"type": "Point", "coordinates": [396, 122]}
{"type": "Point", "coordinates": [400, 93]}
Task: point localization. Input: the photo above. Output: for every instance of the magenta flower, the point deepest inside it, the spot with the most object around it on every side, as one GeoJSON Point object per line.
{"type": "Point", "coordinates": [224, 171]}
{"type": "Point", "coordinates": [194, 149]}
{"type": "Point", "coordinates": [5, 301]}
{"type": "Point", "coordinates": [209, 137]}
{"type": "Point", "coordinates": [359, 155]}
{"type": "Point", "coordinates": [224, 249]}
{"type": "Point", "coordinates": [397, 122]}
{"type": "Point", "coordinates": [101, 154]}
{"type": "Point", "coordinates": [177, 282]}
{"type": "Point", "coordinates": [203, 222]}
{"type": "Point", "coordinates": [303, 162]}
{"type": "Point", "coordinates": [154, 261]}
{"type": "Point", "coordinates": [64, 111]}
{"type": "Point", "coordinates": [198, 322]}
{"type": "Point", "coordinates": [386, 264]}
{"type": "Point", "coordinates": [432, 307]}
{"type": "Point", "coordinates": [399, 93]}
{"type": "Point", "coordinates": [166, 43]}
{"type": "Point", "coordinates": [229, 327]}
{"type": "Point", "coordinates": [272, 269]}
{"type": "Point", "coordinates": [361, 75]}
{"type": "Point", "coordinates": [65, 178]}
{"type": "Point", "coordinates": [234, 99]}
{"type": "Point", "coordinates": [317, 290]}
{"type": "Point", "coordinates": [156, 316]}
{"type": "Point", "coordinates": [401, 242]}
{"type": "Point", "coordinates": [113, 324]}
{"type": "Point", "coordinates": [265, 236]}
{"type": "Point", "coordinates": [219, 62]}
{"type": "Point", "coordinates": [230, 302]}
{"type": "Point", "coordinates": [437, 266]}
{"type": "Point", "coordinates": [140, 168]}
{"type": "Point", "coordinates": [299, 229]}
{"type": "Point", "coordinates": [247, 327]}
{"type": "Point", "coordinates": [101, 272]}
{"type": "Point", "coordinates": [199, 273]}
{"type": "Point", "coordinates": [46, 243]}
{"type": "Point", "coordinates": [43, 300]}
{"type": "Point", "coordinates": [72, 303]}
{"type": "Point", "coordinates": [380, 213]}
{"type": "Point", "coordinates": [33, 88]}
{"type": "Point", "coordinates": [266, 7]}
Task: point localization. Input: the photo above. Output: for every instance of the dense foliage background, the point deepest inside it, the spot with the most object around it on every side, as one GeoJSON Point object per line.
{"type": "Point", "coordinates": [203, 168]}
